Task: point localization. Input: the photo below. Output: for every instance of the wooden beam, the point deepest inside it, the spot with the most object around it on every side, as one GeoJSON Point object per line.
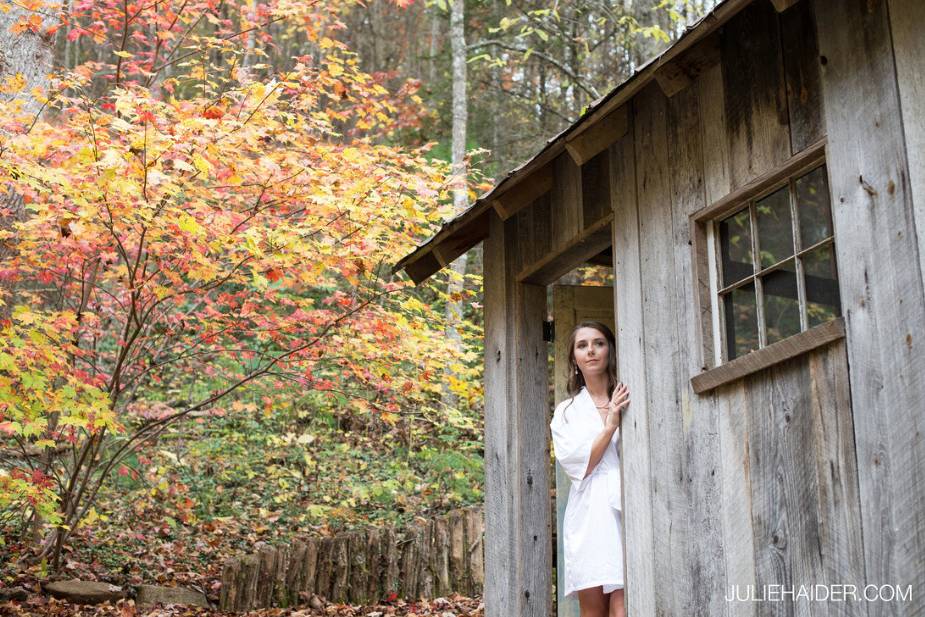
{"type": "Point", "coordinates": [671, 78]}
{"type": "Point", "coordinates": [782, 5]}
{"type": "Point", "coordinates": [423, 267]}
{"type": "Point", "coordinates": [585, 146]}
{"type": "Point", "coordinates": [465, 238]}
{"type": "Point", "coordinates": [567, 257]}
{"type": "Point", "coordinates": [802, 161]}
{"type": "Point", "coordinates": [525, 193]}
{"type": "Point", "coordinates": [766, 357]}
{"type": "Point", "coordinates": [675, 75]}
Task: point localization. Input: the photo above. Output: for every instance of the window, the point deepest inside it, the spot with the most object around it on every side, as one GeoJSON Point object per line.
{"type": "Point", "coordinates": [775, 263]}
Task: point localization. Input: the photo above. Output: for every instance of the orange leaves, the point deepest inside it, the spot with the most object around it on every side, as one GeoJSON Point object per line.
{"type": "Point", "coordinates": [31, 23]}
{"type": "Point", "coordinates": [213, 112]}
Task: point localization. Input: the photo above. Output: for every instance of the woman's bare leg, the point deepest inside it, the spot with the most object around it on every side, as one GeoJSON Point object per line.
{"type": "Point", "coordinates": [592, 602]}
{"type": "Point", "coordinates": [617, 605]}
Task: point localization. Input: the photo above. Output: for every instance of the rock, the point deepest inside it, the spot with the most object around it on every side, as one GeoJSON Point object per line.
{"type": "Point", "coordinates": [14, 593]}
{"type": "Point", "coordinates": [153, 594]}
{"type": "Point", "coordinates": [84, 592]}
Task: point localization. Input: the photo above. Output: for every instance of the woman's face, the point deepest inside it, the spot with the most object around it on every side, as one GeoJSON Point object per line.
{"type": "Point", "coordinates": [591, 351]}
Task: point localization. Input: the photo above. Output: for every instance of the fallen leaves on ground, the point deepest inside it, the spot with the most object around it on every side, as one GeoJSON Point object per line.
{"type": "Point", "coordinates": [42, 606]}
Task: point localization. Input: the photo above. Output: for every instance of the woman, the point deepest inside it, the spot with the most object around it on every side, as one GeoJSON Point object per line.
{"type": "Point", "coordinates": [585, 430]}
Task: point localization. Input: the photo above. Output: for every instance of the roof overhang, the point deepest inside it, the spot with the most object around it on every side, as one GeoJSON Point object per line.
{"type": "Point", "coordinates": [674, 69]}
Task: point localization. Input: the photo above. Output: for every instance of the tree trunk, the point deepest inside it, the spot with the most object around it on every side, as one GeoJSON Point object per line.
{"type": "Point", "coordinates": [460, 199]}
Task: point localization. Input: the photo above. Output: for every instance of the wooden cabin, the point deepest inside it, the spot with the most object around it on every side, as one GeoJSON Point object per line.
{"type": "Point", "coordinates": [759, 191]}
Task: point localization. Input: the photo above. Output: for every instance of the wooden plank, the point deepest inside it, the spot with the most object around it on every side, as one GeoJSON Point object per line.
{"type": "Point", "coordinates": [631, 366]}
{"type": "Point", "coordinates": [580, 249]}
{"type": "Point", "coordinates": [787, 546]}
{"type": "Point", "coordinates": [534, 231]}
{"type": "Point", "coordinates": [836, 464]}
{"type": "Point", "coordinates": [800, 462]}
{"type": "Point", "coordinates": [513, 200]}
{"type": "Point", "coordinates": [671, 504]}
{"type": "Point", "coordinates": [358, 579]}
{"type": "Point", "coordinates": [563, 316]}
{"type": "Point", "coordinates": [582, 148]}
{"type": "Point", "coordinates": [475, 547]}
{"type": "Point", "coordinates": [731, 408]}
{"type": "Point", "coordinates": [881, 288]}
{"type": "Point", "coordinates": [907, 21]}
{"type": "Point", "coordinates": [703, 292]}
{"type": "Point", "coordinates": [309, 569]}
{"type": "Point", "coordinates": [566, 202]}
{"type": "Point", "coordinates": [595, 189]}
{"type": "Point", "coordinates": [803, 161]}
{"type": "Point", "coordinates": [801, 72]}
{"type": "Point", "coordinates": [699, 442]}
{"type": "Point", "coordinates": [532, 504]}
{"type": "Point", "coordinates": [717, 182]}
{"type": "Point", "coordinates": [755, 100]}
{"type": "Point", "coordinates": [500, 471]}
{"type": "Point", "coordinates": [518, 555]}
{"type": "Point", "coordinates": [763, 358]}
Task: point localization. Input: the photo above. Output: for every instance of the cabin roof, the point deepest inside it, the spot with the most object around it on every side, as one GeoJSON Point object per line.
{"type": "Point", "coordinates": [470, 227]}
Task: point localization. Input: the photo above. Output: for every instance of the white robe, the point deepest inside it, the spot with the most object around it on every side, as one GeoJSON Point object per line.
{"type": "Point", "coordinates": [591, 534]}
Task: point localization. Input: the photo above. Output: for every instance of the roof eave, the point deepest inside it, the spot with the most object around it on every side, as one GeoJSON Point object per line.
{"type": "Point", "coordinates": [471, 226]}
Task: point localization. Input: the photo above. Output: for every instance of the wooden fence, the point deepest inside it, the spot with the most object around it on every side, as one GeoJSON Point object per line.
{"type": "Point", "coordinates": [432, 559]}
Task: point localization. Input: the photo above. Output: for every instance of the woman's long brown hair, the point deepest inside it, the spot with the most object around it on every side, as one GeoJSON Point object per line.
{"type": "Point", "coordinates": [575, 379]}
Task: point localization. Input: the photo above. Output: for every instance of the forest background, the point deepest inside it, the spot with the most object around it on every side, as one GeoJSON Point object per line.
{"type": "Point", "coordinates": [202, 345]}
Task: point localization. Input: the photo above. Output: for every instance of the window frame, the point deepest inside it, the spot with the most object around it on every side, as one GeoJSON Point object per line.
{"type": "Point", "coordinates": [706, 252]}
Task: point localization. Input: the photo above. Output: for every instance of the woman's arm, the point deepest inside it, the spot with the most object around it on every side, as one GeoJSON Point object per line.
{"type": "Point", "coordinates": [618, 401]}
{"type": "Point", "coordinates": [598, 447]}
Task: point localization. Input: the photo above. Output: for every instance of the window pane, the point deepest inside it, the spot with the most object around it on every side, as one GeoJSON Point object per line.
{"type": "Point", "coordinates": [735, 239]}
{"type": "Point", "coordinates": [775, 230]}
{"type": "Point", "coordinates": [814, 210]}
{"type": "Point", "coordinates": [741, 320]}
{"type": "Point", "coordinates": [781, 303]}
{"type": "Point", "coordinates": [822, 302]}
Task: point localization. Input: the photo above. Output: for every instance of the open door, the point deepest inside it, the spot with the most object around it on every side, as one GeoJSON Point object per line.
{"type": "Point", "coordinates": [571, 305]}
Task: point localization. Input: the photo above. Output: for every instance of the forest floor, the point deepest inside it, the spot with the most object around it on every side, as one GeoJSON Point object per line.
{"type": "Point", "coordinates": [40, 606]}
{"type": "Point", "coordinates": [216, 488]}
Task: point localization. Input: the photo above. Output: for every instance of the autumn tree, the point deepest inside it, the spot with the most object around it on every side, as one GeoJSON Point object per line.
{"type": "Point", "coordinates": [189, 217]}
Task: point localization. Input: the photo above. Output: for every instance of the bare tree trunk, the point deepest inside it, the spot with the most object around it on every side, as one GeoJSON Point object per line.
{"type": "Point", "coordinates": [460, 199]}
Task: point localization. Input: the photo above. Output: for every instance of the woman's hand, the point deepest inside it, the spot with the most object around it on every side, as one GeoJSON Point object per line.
{"type": "Point", "coordinates": [618, 402]}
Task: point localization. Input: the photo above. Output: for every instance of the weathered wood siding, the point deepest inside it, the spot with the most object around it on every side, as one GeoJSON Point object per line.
{"type": "Point", "coordinates": [518, 553]}
{"type": "Point", "coordinates": [803, 473]}
{"type": "Point", "coordinates": [882, 296]}
{"type": "Point", "coordinates": [756, 482]}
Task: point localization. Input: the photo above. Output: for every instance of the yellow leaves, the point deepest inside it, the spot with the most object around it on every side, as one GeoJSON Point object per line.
{"type": "Point", "coordinates": [335, 69]}
{"type": "Point", "coordinates": [123, 54]}
{"type": "Point", "coordinates": [13, 84]}
{"type": "Point", "coordinates": [201, 164]}
{"type": "Point", "coordinates": [23, 314]}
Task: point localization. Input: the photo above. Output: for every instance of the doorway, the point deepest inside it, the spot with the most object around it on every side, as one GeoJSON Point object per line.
{"type": "Point", "coordinates": [571, 304]}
